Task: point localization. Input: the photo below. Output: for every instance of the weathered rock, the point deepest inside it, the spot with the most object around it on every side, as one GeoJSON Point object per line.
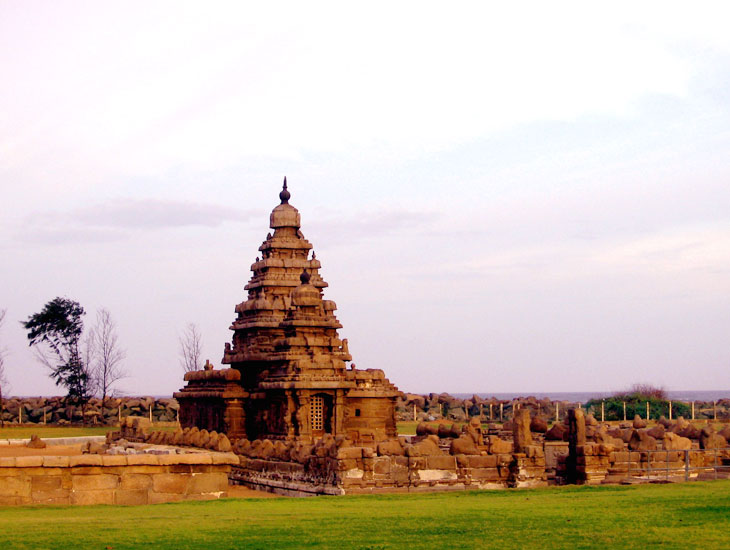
{"type": "Point", "coordinates": [444, 431]}
{"type": "Point", "coordinates": [212, 440]}
{"type": "Point", "coordinates": [711, 440]}
{"type": "Point", "coordinates": [521, 432]}
{"type": "Point", "coordinates": [576, 427]}
{"type": "Point", "coordinates": [474, 430]}
{"type": "Point", "coordinates": [426, 447]}
{"type": "Point", "coordinates": [391, 447]}
{"type": "Point", "coordinates": [464, 445]}
{"type": "Point", "coordinates": [642, 441]}
{"type": "Point", "coordinates": [679, 425]}
{"type": "Point", "coordinates": [657, 432]}
{"type": "Point", "coordinates": [498, 446]}
{"type": "Point", "coordinates": [36, 442]}
{"type": "Point", "coordinates": [224, 444]}
{"type": "Point", "coordinates": [725, 432]}
{"type": "Point", "coordinates": [538, 425]}
{"type": "Point", "coordinates": [689, 431]}
{"type": "Point", "coordinates": [639, 422]}
{"type": "Point", "coordinates": [556, 433]}
{"type": "Point", "coordinates": [673, 442]}
{"type": "Point", "coordinates": [664, 422]}
{"type": "Point", "coordinates": [591, 420]}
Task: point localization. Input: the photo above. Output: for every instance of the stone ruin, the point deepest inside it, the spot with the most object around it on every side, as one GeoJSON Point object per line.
{"type": "Point", "coordinates": [303, 423]}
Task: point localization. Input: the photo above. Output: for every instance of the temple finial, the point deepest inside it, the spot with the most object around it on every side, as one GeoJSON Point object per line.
{"type": "Point", "coordinates": [304, 277]}
{"type": "Point", "coordinates": [284, 195]}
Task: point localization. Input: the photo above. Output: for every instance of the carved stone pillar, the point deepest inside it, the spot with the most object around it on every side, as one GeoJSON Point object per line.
{"type": "Point", "coordinates": [235, 419]}
{"type": "Point", "coordinates": [339, 427]}
{"type": "Point", "coordinates": [290, 415]}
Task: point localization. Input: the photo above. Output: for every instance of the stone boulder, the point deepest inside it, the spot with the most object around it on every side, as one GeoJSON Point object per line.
{"type": "Point", "coordinates": [657, 432]}
{"type": "Point", "coordinates": [282, 451]}
{"type": "Point", "coordinates": [690, 432]}
{"type": "Point", "coordinates": [725, 432]}
{"type": "Point", "coordinates": [426, 447]}
{"type": "Point", "coordinates": [664, 422]}
{"type": "Point", "coordinates": [224, 444]}
{"type": "Point", "coordinates": [391, 447]}
{"type": "Point", "coordinates": [241, 446]}
{"type": "Point", "coordinates": [591, 420]}
{"type": "Point", "coordinates": [557, 432]}
{"type": "Point", "coordinates": [474, 430]}
{"type": "Point", "coordinates": [711, 440]}
{"type": "Point", "coordinates": [642, 441]}
{"type": "Point", "coordinates": [212, 442]}
{"type": "Point", "coordinates": [498, 446]}
{"type": "Point", "coordinates": [445, 431]}
{"type": "Point", "coordinates": [36, 442]}
{"type": "Point", "coordinates": [639, 422]}
{"type": "Point", "coordinates": [538, 425]}
{"type": "Point", "coordinates": [522, 436]}
{"type": "Point", "coordinates": [464, 445]}
{"type": "Point", "coordinates": [679, 425]}
{"type": "Point", "coordinates": [674, 442]}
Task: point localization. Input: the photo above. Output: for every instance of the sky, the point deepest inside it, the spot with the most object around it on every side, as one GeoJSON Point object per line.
{"type": "Point", "coordinates": [505, 197]}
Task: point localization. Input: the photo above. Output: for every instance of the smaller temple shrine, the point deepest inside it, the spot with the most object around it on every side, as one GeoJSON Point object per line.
{"type": "Point", "coordinates": [288, 377]}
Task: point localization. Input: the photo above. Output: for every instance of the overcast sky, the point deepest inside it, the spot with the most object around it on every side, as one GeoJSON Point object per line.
{"type": "Point", "coordinates": [505, 197]}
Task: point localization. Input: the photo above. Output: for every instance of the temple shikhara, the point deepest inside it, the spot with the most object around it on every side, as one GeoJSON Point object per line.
{"type": "Point", "coordinates": [288, 376]}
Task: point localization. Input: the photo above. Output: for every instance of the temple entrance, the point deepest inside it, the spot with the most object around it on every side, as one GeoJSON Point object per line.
{"type": "Point", "coordinates": [321, 414]}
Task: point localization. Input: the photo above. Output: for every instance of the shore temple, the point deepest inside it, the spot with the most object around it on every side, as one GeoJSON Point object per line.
{"type": "Point", "coordinates": [288, 375]}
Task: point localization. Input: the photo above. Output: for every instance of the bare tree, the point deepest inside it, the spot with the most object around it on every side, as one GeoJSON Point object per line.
{"type": "Point", "coordinates": [191, 348]}
{"type": "Point", "coordinates": [3, 378]}
{"type": "Point", "coordinates": [107, 354]}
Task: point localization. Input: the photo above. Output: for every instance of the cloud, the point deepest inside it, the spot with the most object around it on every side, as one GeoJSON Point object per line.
{"type": "Point", "coordinates": [364, 225]}
{"type": "Point", "coordinates": [115, 219]}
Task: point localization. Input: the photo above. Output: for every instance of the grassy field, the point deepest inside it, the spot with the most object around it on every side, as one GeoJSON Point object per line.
{"type": "Point", "coordinates": [692, 515]}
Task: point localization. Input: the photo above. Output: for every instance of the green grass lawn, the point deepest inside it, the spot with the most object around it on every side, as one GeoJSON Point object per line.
{"type": "Point", "coordinates": [692, 515]}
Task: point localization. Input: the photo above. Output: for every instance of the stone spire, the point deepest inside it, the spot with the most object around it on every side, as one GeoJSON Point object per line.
{"type": "Point", "coordinates": [284, 195]}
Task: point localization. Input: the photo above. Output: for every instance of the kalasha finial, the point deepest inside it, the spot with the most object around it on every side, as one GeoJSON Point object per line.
{"type": "Point", "coordinates": [304, 277]}
{"type": "Point", "coordinates": [284, 195]}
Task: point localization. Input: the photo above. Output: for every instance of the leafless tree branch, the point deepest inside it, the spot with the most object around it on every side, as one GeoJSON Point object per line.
{"type": "Point", "coordinates": [107, 353]}
{"type": "Point", "coordinates": [191, 348]}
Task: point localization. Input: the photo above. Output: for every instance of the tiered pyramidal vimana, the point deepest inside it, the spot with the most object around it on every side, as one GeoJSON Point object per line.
{"type": "Point", "coordinates": [288, 377]}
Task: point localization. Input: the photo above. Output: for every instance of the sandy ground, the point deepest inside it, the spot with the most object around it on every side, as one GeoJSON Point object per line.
{"type": "Point", "coordinates": [51, 450]}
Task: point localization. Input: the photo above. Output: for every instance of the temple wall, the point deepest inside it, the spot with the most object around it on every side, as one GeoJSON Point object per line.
{"type": "Point", "coordinates": [368, 415]}
{"type": "Point", "coordinates": [357, 470]}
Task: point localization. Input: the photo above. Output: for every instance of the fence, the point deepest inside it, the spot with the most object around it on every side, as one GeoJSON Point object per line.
{"type": "Point", "coordinates": [706, 461]}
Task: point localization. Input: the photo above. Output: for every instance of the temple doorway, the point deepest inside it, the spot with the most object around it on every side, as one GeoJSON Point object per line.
{"type": "Point", "coordinates": [321, 414]}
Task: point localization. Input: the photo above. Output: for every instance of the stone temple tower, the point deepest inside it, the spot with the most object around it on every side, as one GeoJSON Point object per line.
{"type": "Point", "coordinates": [288, 375]}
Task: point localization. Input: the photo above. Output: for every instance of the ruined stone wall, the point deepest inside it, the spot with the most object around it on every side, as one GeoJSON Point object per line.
{"type": "Point", "coordinates": [357, 470]}
{"type": "Point", "coordinates": [114, 479]}
{"type": "Point", "coordinates": [599, 464]}
{"type": "Point", "coordinates": [55, 410]}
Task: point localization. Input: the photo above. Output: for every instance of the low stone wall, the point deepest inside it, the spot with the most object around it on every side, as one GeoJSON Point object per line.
{"type": "Point", "coordinates": [57, 410]}
{"type": "Point", "coordinates": [596, 464]}
{"type": "Point", "coordinates": [357, 470]}
{"type": "Point", "coordinates": [114, 479]}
